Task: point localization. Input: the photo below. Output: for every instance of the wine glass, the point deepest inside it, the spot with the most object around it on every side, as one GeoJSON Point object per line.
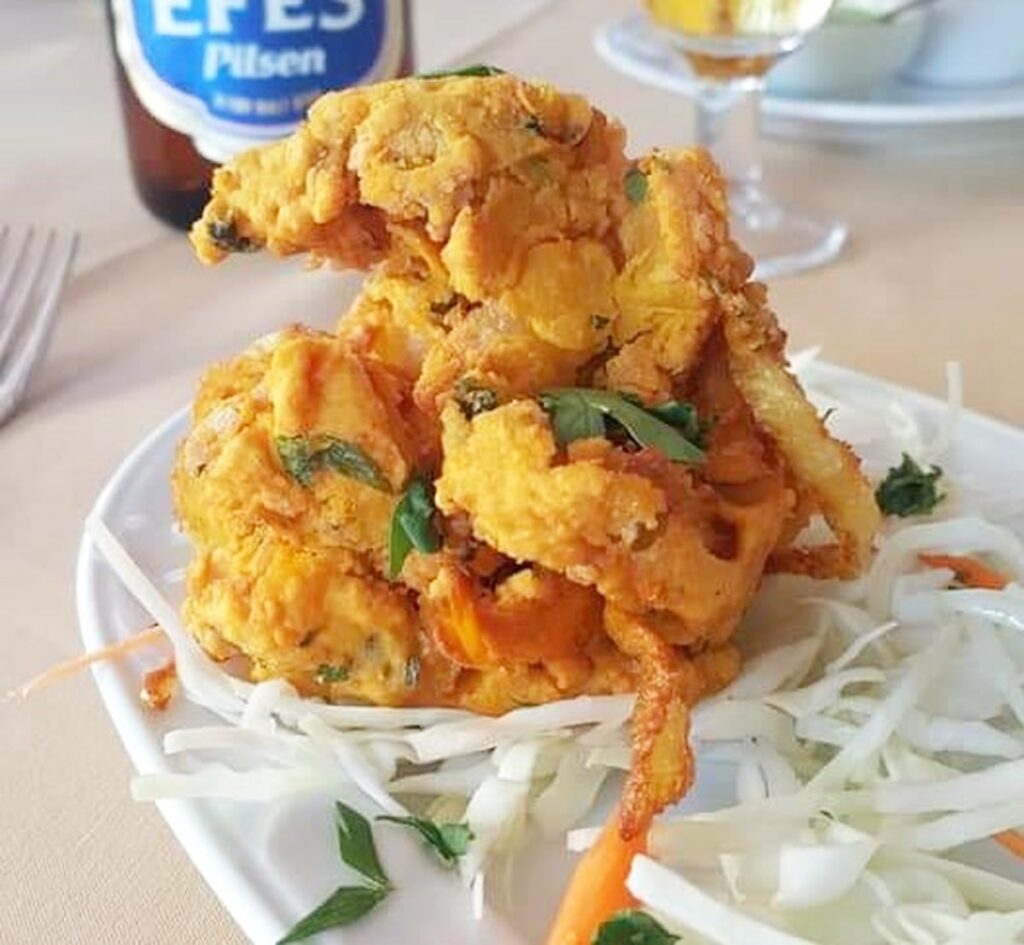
{"type": "Point", "coordinates": [731, 45]}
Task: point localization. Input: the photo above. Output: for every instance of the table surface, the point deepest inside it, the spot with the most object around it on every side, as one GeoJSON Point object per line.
{"type": "Point", "coordinates": [930, 275]}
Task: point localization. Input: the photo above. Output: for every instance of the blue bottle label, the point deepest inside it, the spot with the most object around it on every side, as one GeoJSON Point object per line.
{"type": "Point", "coordinates": [234, 73]}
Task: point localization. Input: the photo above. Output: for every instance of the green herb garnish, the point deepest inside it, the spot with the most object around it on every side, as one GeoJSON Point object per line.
{"type": "Point", "coordinates": [599, 322]}
{"type": "Point", "coordinates": [448, 841]}
{"type": "Point", "coordinates": [347, 903]}
{"type": "Point", "coordinates": [477, 69]}
{"type": "Point", "coordinates": [474, 398]}
{"type": "Point", "coordinates": [350, 460]}
{"type": "Point", "coordinates": [341, 907]}
{"type": "Point", "coordinates": [534, 124]}
{"type": "Point", "coordinates": [296, 458]}
{"type": "Point", "coordinates": [225, 236]}
{"type": "Point", "coordinates": [302, 456]}
{"type": "Point", "coordinates": [633, 927]}
{"type": "Point", "coordinates": [412, 526]}
{"type": "Point", "coordinates": [683, 417]}
{"type": "Point", "coordinates": [579, 412]}
{"type": "Point", "coordinates": [635, 184]}
{"type": "Point", "coordinates": [908, 490]}
{"type": "Point", "coordinates": [331, 673]}
{"type": "Point", "coordinates": [573, 415]}
{"type": "Point", "coordinates": [356, 847]}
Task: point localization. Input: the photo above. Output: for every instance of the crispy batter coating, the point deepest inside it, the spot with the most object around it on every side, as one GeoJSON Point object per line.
{"type": "Point", "coordinates": [662, 765]}
{"type": "Point", "coordinates": [513, 248]}
{"type": "Point", "coordinates": [821, 465]}
{"type": "Point", "coordinates": [292, 575]}
{"type": "Point", "coordinates": [649, 534]}
{"type": "Point", "coordinates": [490, 166]}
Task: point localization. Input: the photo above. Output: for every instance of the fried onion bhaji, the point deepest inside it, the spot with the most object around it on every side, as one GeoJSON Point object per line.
{"type": "Point", "coordinates": [515, 256]}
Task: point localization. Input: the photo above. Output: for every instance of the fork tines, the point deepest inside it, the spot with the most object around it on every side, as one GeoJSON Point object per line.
{"type": "Point", "coordinates": [34, 265]}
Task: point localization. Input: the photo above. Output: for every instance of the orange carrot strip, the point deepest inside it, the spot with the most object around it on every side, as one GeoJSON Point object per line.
{"type": "Point", "coordinates": [969, 571]}
{"type": "Point", "coordinates": [1012, 841]}
{"type": "Point", "coordinates": [68, 668]}
{"type": "Point", "coordinates": [597, 889]}
{"type": "Point", "coordinates": [159, 686]}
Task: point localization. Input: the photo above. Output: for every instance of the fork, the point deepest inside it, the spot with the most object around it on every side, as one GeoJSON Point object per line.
{"type": "Point", "coordinates": [33, 269]}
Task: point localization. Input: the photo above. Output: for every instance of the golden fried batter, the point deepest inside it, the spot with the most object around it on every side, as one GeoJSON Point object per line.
{"type": "Point", "coordinates": [514, 249]}
{"type": "Point", "coordinates": [648, 533]}
{"type": "Point", "coordinates": [490, 166]}
{"type": "Point", "coordinates": [292, 574]}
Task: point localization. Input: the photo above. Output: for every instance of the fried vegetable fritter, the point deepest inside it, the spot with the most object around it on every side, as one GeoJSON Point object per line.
{"type": "Point", "coordinates": [513, 249]}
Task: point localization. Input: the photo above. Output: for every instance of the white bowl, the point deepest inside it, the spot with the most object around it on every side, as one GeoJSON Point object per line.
{"type": "Point", "coordinates": [850, 60]}
{"type": "Point", "coordinates": [971, 42]}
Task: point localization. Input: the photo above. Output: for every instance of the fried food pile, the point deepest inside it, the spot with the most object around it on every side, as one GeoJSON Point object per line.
{"type": "Point", "coordinates": [550, 450]}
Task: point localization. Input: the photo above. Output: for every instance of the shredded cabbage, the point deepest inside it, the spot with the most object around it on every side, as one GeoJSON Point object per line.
{"type": "Point", "coordinates": [814, 873]}
{"type": "Point", "coordinates": [877, 723]}
{"type": "Point", "coordinates": [570, 794]}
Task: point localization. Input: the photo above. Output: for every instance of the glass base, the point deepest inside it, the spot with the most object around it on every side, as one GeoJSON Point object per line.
{"type": "Point", "coordinates": [782, 242]}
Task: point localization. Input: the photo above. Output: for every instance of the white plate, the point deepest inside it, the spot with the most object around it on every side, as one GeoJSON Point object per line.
{"type": "Point", "coordinates": [634, 46]}
{"type": "Point", "coordinates": [271, 863]}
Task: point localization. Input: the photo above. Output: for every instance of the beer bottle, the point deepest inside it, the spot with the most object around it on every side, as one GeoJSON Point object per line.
{"type": "Point", "coordinates": [201, 80]}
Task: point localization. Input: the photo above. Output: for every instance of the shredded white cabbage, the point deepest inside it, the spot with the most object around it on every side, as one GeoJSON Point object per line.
{"type": "Point", "coordinates": [909, 734]}
{"type": "Point", "coordinates": [920, 671]}
{"type": "Point", "coordinates": [570, 794]}
{"type": "Point", "coordinates": [879, 723]}
{"type": "Point", "coordinates": [685, 905]}
{"type": "Point", "coordinates": [821, 871]}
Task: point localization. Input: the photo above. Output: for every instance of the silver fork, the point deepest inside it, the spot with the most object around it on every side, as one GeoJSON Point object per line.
{"type": "Point", "coordinates": [33, 269]}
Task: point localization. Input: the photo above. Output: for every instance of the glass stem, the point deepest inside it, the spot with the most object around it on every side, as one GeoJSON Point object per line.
{"type": "Point", "coordinates": [729, 126]}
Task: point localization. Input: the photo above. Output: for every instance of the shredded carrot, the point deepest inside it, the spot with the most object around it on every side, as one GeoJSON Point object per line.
{"type": "Point", "coordinates": [68, 668]}
{"type": "Point", "coordinates": [969, 571]}
{"type": "Point", "coordinates": [597, 889]}
{"type": "Point", "coordinates": [159, 686]}
{"type": "Point", "coordinates": [1012, 841]}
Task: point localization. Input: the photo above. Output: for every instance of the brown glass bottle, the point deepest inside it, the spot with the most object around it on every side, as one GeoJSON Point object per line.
{"type": "Point", "coordinates": [171, 177]}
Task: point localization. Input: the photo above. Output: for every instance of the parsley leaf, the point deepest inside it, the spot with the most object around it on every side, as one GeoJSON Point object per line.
{"type": "Point", "coordinates": [474, 398]}
{"type": "Point", "coordinates": [351, 461]}
{"type": "Point", "coordinates": [341, 907]}
{"type": "Point", "coordinates": [573, 416]}
{"type": "Point", "coordinates": [579, 412]}
{"type": "Point", "coordinates": [633, 927]}
{"type": "Point", "coordinates": [412, 526]}
{"type": "Point", "coordinates": [635, 184]}
{"type": "Point", "coordinates": [682, 416]}
{"type": "Point", "coordinates": [347, 903]}
{"type": "Point", "coordinates": [908, 490]}
{"type": "Point", "coordinates": [448, 841]}
{"type": "Point", "coordinates": [356, 847]}
{"type": "Point", "coordinates": [331, 673]}
{"type": "Point", "coordinates": [225, 236]}
{"type": "Point", "coordinates": [296, 458]}
{"type": "Point", "coordinates": [477, 69]}
{"type": "Point", "coordinates": [302, 456]}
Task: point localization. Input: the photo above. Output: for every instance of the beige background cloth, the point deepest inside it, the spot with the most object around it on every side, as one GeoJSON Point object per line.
{"type": "Point", "coordinates": [932, 273]}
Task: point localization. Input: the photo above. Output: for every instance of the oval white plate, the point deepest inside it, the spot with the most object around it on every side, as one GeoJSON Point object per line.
{"type": "Point", "coordinates": [271, 863]}
{"type": "Point", "coordinates": [634, 46]}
